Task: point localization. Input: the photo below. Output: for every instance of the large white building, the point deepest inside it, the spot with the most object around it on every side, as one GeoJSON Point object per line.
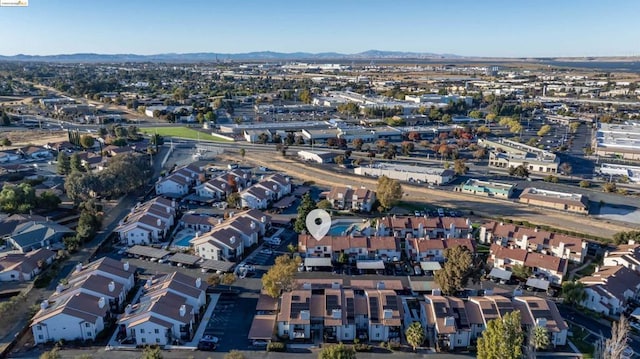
{"type": "Point", "coordinates": [505, 154]}
{"type": "Point", "coordinates": [618, 140]}
{"type": "Point", "coordinates": [420, 174]}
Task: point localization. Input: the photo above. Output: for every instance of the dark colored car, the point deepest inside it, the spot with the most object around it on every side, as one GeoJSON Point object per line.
{"type": "Point", "coordinates": [206, 346]}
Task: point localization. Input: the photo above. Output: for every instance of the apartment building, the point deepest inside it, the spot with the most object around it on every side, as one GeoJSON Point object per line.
{"type": "Point", "coordinates": [559, 245]}
{"type": "Point", "coordinates": [548, 269]}
{"type": "Point", "coordinates": [423, 226]}
{"type": "Point", "coordinates": [148, 222]}
{"type": "Point", "coordinates": [347, 198]}
{"type": "Point", "coordinates": [609, 289]}
{"type": "Point", "coordinates": [357, 247]}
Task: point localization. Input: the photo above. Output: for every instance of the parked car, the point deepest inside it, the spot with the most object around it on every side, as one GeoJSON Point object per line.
{"type": "Point", "coordinates": [206, 346]}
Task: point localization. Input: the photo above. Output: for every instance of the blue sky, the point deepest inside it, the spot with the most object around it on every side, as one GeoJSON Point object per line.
{"type": "Point", "coordinates": [509, 28]}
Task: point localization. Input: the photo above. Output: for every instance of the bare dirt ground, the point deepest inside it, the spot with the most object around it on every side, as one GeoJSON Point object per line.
{"type": "Point", "coordinates": [33, 137]}
{"type": "Point", "coordinates": [479, 205]}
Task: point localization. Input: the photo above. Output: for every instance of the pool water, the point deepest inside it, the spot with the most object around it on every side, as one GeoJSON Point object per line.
{"type": "Point", "coordinates": [184, 241]}
{"type": "Point", "coordinates": [338, 229]}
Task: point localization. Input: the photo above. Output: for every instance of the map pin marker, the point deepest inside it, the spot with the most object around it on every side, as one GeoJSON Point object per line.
{"type": "Point", "coordinates": [318, 223]}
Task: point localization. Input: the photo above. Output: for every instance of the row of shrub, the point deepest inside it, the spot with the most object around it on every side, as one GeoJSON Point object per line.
{"type": "Point", "coordinates": [276, 347]}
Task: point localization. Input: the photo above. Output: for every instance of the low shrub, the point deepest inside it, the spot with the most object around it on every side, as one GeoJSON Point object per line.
{"type": "Point", "coordinates": [276, 347]}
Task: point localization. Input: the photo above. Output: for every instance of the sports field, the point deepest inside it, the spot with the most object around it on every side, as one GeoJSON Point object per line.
{"type": "Point", "coordinates": [181, 132]}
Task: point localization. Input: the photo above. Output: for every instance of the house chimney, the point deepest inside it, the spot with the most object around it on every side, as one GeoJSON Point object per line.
{"type": "Point", "coordinates": [436, 291]}
{"type": "Point", "coordinates": [44, 305]}
{"type": "Point", "coordinates": [306, 286]}
{"type": "Point", "coordinates": [223, 186]}
{"type": "Point", "coordinates": [125, 266]}
{"type": "Point", "coordinates": [101, 302]}
{"type": "Point", "coordinates": [78, 267]}
{"type": "Point", "coordinates": [127, 309]}
{"type": "Point", "coordinates": [380, 285]}
{"type": "Point", "coordinates": [335, 285]}
{"type": "Point", "coordinates": [173, 203]}
{"type": "Point", "coordinates": [168, 209]}
{"type": "Point", "coordinates": [263, 219]}
{"type": "Point", "coordinates": [59, 288]}
{"type": "Point", "coordinates": [232, 239]}
{"type": "Point", "coordinates": [536, 229]}
{"type": "Point", "coordinates": [253, 225]}
{"type": "Point", "coordinates": [305, 315]}
{"type": "Point", "coordinates": [149, 283]}
{"type": "Point", "coordinates": [336, 313]}
{"type": "Point", "coordinates": [112, 286]}
{"type": "Point", "coordinates": [541, 322]}
{"type": "Point", "coordinates": [387, 314]}
{"type": "Point", "coordinates": [183, 310]}
{"type": "Point", "coordinates": [198, 282]}
{"type": "Point", "coordinates": [632, 242]}
{"type": "Point", "coordinates": [220, 220]}
{"type": "Point", "coordinates": [159, 222]}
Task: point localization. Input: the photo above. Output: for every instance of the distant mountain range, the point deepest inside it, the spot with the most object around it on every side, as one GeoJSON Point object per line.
{"type": "Point", "coordinates": [211, 56]}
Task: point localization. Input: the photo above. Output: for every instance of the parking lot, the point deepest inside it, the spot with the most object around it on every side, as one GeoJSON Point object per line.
{"type": "Point", "coordinates": [231, 320]}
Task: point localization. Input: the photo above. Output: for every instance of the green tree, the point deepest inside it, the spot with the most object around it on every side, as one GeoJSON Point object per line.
{"type": "Point", "coordinates": [280, 276]}
{"type": "Point", "coordinates": [151, 352]}
{"type": "Point", "coordinates": [585, 184]}
{"type": "Point", "coordinates": [520, 171]}
{"type": "Point", "coordinates": [566, 168]}
{"type": "Point", "coordinates": [573, 292]}
{"type": "Point", "coordinates": [75, 163]}
{"type": "Point", "coordinates": [502, 339]}
{"type": "Point", "coordinates": [625, 237]}
{"type": "Point", "coordinates": [538, 339]}
{"type": "Point", "coordinates": [339, 160]}
{"type": "Point", "coordinates": [305, 96]}
{"type": "Point", "coordinates": [234, 200]}
{"type": "Point", "coordinates": [520, 271]}
{"type": "Point", "coordinates": [243, 152]}
{"type": "Point", "coordinates": [479, 153]}
{"type": "Point", "coordinates": [389, 192]}
{"type": "Point", "coordinates": [457, 270]}
{"type": "Point", "coordinates": [64, 165]}
{"type": "Point", "coordinates": [306, 205]}
{"type": "Point", "coordinates": [6, 142]}
{"type": "Point", "coordinates": [343, 258]}
{"type": "Point", "coordinates": [339, 351]}
{"type": "Point", "coordinates": [415, 335]}
{"type": "Point", "coordinates": [475, 114]}
{"type": "Point", "coordinates": [460, 167]}
{"type": "Point", "coordinates": [324, 204]}
{"type": "Point", "coordinates": [87, 141]}
{"type": "Point", "coordinates": [544, 130]}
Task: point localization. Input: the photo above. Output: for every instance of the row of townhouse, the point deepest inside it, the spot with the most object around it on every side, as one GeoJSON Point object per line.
{"type": "Point", "coordinates": [24, 267]}
{"type": "Point", "coordinates": [358, 248]}
{"type": "Point", "coordinates": [268, 190]}
{"type": "Point", "coordinates": [347, 198]}
{"type": "Point", "coordinates": [179, 182]}
{"type": "Point", "coordinates": [168, 311]}
{"type": "Point", "coordinates": [616, 282]}
{"type": "Point", "coordinates": [81, 309]}
{"type": "Point", "coordinates": [229, 238]}
{"type": "Point", "coordinates": [454, 323]}
{"type": "Point", "coordinates": [366, 310]}
{"type": "Point", "coordinates": [424, 226]}
{"type": "Point", "coordinates": [548, 268]}
{"type": "Point", "coordinates": [432, 249]}
{"type": "Point", "coordinates": [219, 187]}
{"type": "Point", "coordinates": [574, 249]}
{"type": "Point", "coordinates": [147, 222]}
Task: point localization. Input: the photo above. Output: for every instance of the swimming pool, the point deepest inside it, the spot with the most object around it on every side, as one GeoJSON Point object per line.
{"type": "Point", "coordinates": [338, 229]}
{"type": "Point", "coordinates": [184, 241]}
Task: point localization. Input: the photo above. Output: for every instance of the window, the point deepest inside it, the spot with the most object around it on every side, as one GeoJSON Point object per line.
{"type": "Point", "coordinates": [40, 336]}
{"type": "Point", "coordinates": [87, 325]}
{"type": "Point", "coordinates": [157, 331]}
{"type": "Point", "coordinates": [38, 327]}
{"type": "Point", "coordinates": [158, 340]}
{"type": "Point", "coordinates": [144, 340]}
{"type": "Point", "coordinates": [89, 334]}
{"type": "Point", "coordinates": [141, 330]}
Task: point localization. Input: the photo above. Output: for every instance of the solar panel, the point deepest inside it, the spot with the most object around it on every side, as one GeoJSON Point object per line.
{"type": "Point", "coordinates": [463, 321]}
{"type": "Point", "coordinates": [392, 302]}
{"type": "Point", "coordinates": [350, 308]}
{"type": "Point", "coordinates": [440, 308]}
{"type": "Point", "coordinates": [332, 303]}
{"type": "Point", "coordinates": [295, 298]}
{"type": "Point", "coordinates": [296, 308]}
{"type": "Point", "coordinates": [533, 305]}
{"type": "Point", "coordinates": [373, 308]}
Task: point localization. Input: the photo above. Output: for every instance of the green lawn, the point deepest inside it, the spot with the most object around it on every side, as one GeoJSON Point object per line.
{"type": "Point", "coordinates": [182, 132]}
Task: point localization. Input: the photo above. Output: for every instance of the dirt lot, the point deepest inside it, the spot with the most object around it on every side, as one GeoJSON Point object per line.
{"type": "Point", "coordinates": [480, 205]}
{"type": "Point", "coordinates": [33, 137]}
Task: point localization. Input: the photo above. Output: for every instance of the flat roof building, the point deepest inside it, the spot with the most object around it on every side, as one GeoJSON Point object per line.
{"type": "Point", "coordinates": [618, 140]}
{"type": "Point", "coordinates": [569, 202]}
{"type": "Point", "coordinates": [420, 174]}
{"type": "Point", "coordinates": [487, 188]}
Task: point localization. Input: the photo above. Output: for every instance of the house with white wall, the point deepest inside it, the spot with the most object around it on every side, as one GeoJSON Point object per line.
{"type": "Point", "coordinates": [24, 267]}
{"type": "Point", "coordinates": [609, 289]}
{"type": "Point", "coordinates": [446, 321]}
{"type": "Point", "coordinates": [148, 222]}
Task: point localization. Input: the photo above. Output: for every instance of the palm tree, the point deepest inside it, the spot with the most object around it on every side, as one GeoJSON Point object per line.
{"type": "Point", "coordinates": [538, 339]}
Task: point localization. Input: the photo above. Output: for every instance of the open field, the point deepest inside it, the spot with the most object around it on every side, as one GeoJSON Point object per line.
{"type": "Point", "coordinates": [181, 132]}
{"type": "Point", "coordinates": [33, 137]}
